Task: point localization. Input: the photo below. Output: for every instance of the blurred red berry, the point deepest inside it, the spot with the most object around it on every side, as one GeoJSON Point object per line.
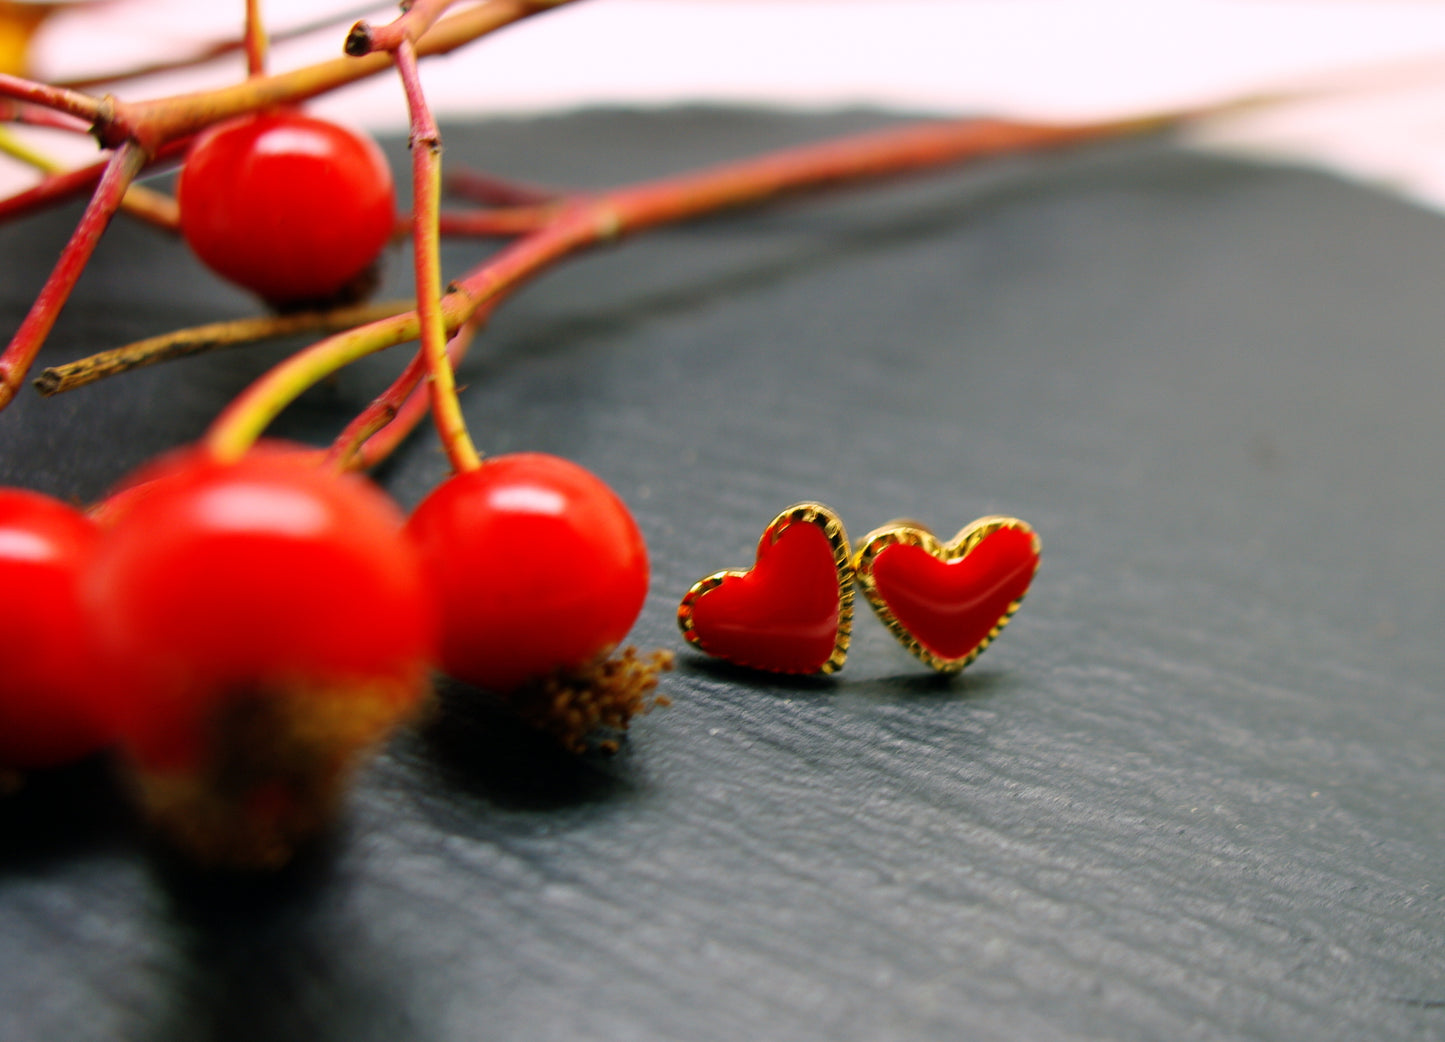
{"type": "Point", "coordinates": [265, 622]}
{"type": "Point", "coordinates": [293, 208]}
{"type": "Point", "coordinates": [50, 687]}
{"type": "Point", "coordinates": [256, 577]}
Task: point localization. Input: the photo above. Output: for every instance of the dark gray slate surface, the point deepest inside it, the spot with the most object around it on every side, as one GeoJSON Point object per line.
{"type": "Point", "coordinates": [1197, 790]}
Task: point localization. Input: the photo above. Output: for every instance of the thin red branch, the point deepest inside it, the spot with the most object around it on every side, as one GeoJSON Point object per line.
{"type": "Point", "coordinates": [216, 50]}
{"type": "Point", "coordinates": [160, 120]}
{"type": "Point", "coordinates": [53, 189]}
{"type": "Point", "coordinates": [500, 224]}
{"type": "Point", "coordinates": [588, 221]}
{"type": "Point", "coordinates": [883, 153]}
{"type": "Point", "coordinates": [12, 111]}
{"type": "Point", "coordinates": [57, 188]}
{"type": "Point", "coordinates": [409, 26]}
{"type": "Point", "coordinates": [495, 191]}
{"type": "Point", "coordinates": [60, 99]}
{"type": "Point", "coordinates": [25, 345]}
{"type": "Point", "coordinates": [393, 415]}
{"type": "Point", "coordinates": [384, 442]}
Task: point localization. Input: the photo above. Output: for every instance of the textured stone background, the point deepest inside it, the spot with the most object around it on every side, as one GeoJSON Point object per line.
{"type": "Point", "coordinates": [1194, 791]}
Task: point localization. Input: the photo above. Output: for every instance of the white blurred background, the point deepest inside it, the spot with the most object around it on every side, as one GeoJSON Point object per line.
{"type": "Point", "coordinates": [1371, 72]}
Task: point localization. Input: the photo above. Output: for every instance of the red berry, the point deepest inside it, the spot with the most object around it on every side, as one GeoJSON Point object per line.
{"type": "Point", "coordinates": [264, 623]}
{"type": "Point", "coordinates": [264, 577]}
{"type": "Point", "coordinates": [293, 208]}
{"type": "Point", "coordinates": [49, 683]}
{"type": "Point", "coordinates": [538, 566]}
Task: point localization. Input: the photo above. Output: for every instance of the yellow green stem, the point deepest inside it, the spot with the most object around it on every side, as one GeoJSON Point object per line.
{"type": "Point", "coordinates": [151, 206]}
{"type": "Point", "coordinates": [426, 161]}
{"type": "Point", "coordinates": [15, 148]}
{"type": "Point", "coordinates": [182, 343]}
{"type": "Point", "coordinates": [391, 417]}
{"type": "Point", "coordinates": [248, 415]}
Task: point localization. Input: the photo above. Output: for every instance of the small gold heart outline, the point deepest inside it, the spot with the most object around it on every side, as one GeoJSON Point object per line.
{"type": "Point", "coordinates": [912, 533]}
{"type": "Point", "coordinates": [799, 513]}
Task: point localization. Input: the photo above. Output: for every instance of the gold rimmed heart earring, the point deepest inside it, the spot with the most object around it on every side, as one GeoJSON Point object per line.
{"type": "Point", "coordinates": [792, 612]}
{"type": "Point", "coordinates": [946, 602]}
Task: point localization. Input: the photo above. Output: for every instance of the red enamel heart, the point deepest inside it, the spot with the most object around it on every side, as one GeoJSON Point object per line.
{"type": "Point", "coordinates": [947, 602]}
{"type": "Point", "coordinates": [792, 612]}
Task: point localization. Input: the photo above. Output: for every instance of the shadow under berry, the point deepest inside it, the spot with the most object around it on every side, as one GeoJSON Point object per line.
{"type": "Point", "coordinates": [480, 749]}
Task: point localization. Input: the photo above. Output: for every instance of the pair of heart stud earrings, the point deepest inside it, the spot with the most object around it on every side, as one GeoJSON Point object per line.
{"type": "Point", "coordinates": [792, 612]}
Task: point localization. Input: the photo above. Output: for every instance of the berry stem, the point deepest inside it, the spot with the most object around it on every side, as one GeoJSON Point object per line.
{"type": "Point", "coordinates": [60, 99]}
{"type": "Point", "coordinates": [426, 150]}
{"type": "Point", "coordinates": [386, 422]}
{"type": "Point", "coordinates": [256, 42]}
{"type": "Point", "coordinates": [15, 148]}
{"type": "Point", "coordinates": [883, 153]}
{"type": "Point", "coordinates": [495, 191]}
{"type": "Point", "coordinates": [54, 189]}
{"type": "Point", "coordinates": [501, 223]}
{"type": "Point", "coordinates": [416, 18]}
{"type": "Point", "coordinates": [586, 221]}
{"type": "Point", "coordinates": [12, 111]}
{"type": "Point", "coordinates": [214, 51]}
{"type": "Point", "coordinates": [239, 425]}
{"type": "Point", "coordinates": [17, 358]}
{"type": "Point", "coordinates": [57, 188]}
{"type": "Point", "coordinates": [183, 343]}
{"type": "Point", "coordinates": [164, 119]}
{"type": "Point", "coordinates": [139, 131]}
{"type": "Point", "coordinates": [151, 206]}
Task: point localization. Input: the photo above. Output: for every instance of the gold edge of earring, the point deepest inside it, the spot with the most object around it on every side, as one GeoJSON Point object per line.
{"type": "Point", "coordinates": [815, 513]}
{"type": "Point", "coordinates": [893, 533]}
{"type": "Point", "coordinates": [975, 532]}
{"type": "Point", "coordinates": [696, 590]}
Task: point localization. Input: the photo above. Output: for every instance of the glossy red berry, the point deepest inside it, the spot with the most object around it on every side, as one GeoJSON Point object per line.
{"type": "Point", "coordinates": [293, 208]}
{"type": "Point", "coordinates": [50, 687]}
{"type": "Point", "coordinates": [539, 568]}
{"type": "Point", "coordinates": [266, 578]}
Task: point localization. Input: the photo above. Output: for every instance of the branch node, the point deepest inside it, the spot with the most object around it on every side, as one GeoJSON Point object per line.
{"type": "Point", "coordinates": [104, 128]}
{"type": "Point", "coordinates": [358, 41]}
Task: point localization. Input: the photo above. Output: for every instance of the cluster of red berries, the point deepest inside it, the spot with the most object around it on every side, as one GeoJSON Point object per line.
{"type": "Point", "coordinates": [242, 630]}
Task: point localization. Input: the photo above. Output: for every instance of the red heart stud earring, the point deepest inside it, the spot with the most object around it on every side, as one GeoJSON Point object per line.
{"type": "Point", "coordinates": [792, 612]}
{"type": "Point", "coordinates": [946, 602]}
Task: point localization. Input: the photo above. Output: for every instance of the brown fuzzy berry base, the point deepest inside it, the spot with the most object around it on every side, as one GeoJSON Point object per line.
{"type": "Point", "coordinates": [275, 769]}
{"type": "Point", "coordinates": [590, 707]}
